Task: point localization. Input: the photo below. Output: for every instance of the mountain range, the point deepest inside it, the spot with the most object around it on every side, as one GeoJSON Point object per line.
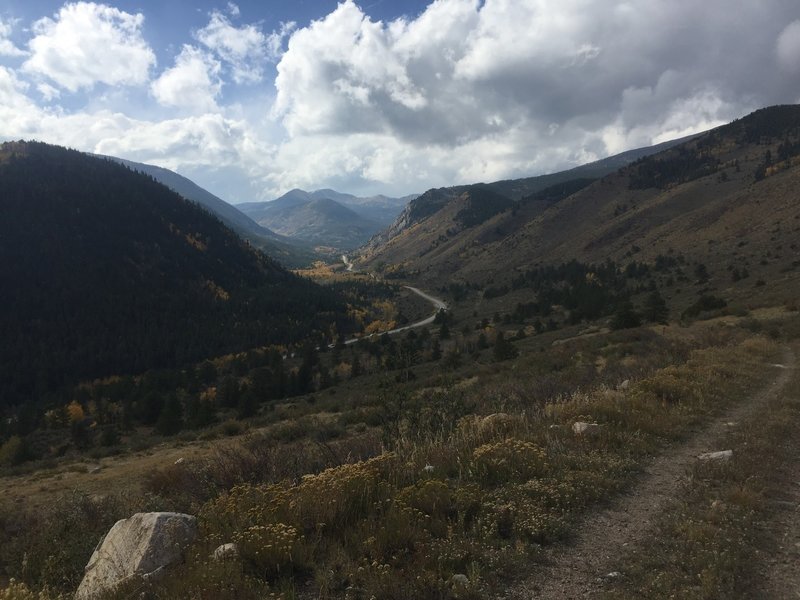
{"type": "Point", "coordinates": [326, 217]}
{"type": "Point", "coordinates": [726, 198]}
{"type": "Point", "coordinates": [504, 193]}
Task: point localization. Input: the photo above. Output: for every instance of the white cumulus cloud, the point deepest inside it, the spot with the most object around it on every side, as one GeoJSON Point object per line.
{"type": "Point", "coordinates": [246, 49]}
{"type": "Point", "coordinates": [788, 47]}
{"type": "Point", "coordinates": [470, 90]}
{"type": "Point", "coordinates": [7, 47]}
{"type": "Point", "coordinates": [192, 84]}
{"type": "Point", "coordinates": [465, 91]}
{"type": "Point", "coordinates": [87, 43]}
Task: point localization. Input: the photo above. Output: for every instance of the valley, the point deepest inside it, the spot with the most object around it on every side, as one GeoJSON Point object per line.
{"type": "Point", "coordinates": [506, 380]}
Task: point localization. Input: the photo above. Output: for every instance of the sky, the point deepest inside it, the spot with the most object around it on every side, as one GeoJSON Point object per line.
{"type": "Point", "coordinates": [252, 99]}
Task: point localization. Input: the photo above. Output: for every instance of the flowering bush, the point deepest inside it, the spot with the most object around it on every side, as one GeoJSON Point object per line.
{"type": "Point", "coordinates": [508, 460]}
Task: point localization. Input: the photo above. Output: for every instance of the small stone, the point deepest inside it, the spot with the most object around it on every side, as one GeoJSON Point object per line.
{"type": "Point", "coordinates": [583, 428]}
{"type": "Point", "coordinates": [460, 579]}
{"type": "Point", "coordinates": [720, 455]}
{"type": "Point", "coordinates": [226, 552]}
{"type": "Point", "coordinates": [613, 575]}
{"type": "Point", "coordinates": [624, 385]}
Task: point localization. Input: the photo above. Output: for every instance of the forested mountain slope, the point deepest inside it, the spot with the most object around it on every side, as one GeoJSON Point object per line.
{"type": "Point", "coordinates": [288, 252]}
{"type": "Point", "coordinates": [106, 271]}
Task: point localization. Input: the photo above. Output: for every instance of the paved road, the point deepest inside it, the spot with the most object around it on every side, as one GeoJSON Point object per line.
{"type": "Point", "coordinates": [347, 263]}
{"type": "Point", "coordinates": [437, 305]}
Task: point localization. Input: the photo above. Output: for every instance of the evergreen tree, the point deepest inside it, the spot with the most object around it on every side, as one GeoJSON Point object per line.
{"type": "Point", "coordinates": [228, 391]}
{"type": "Point", "coordinates": [247, 405]}
{"type": "Point", "coordinates": [170, 421]}
{"type": "Point", "coordinates": [482, 342]}
{"type": "Point", "coordinates": [436, 350]}
{"type": "Point", "coordinates": [625, 317]}
{"type": "Point", "coordinates": [655, 308]}
{"type": "Point", "coordinates": [701, 272]}
{"type": "Point", "coordinates": [355, 369]}
{"type": "Point", "coordinates": [200, 413]}
{"type": "Point", "coordinates": [503, 349]}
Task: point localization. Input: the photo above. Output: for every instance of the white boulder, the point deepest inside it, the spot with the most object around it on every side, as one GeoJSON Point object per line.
{"type": "Point", "coordinates": [140, 546]}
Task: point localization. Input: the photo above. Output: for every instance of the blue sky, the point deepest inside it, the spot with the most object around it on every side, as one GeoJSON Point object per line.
{"type": "Point", "coordinates": [251, 99]}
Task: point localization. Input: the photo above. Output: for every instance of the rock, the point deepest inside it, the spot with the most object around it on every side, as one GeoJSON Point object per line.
{"type": "Point", "coordinates": [721, 455]}
{"type": "Point", "coordinates": [624, 385]}
{"type": "Point", "coordinates": [583, 428]}
{"type": "Point", "coordinates": [496, 423]}
{"type": "Point", "coordinates": [460, 579]}
{"type": "Point", "coordinates": [141, 545]}
{"type": "Point", "coordinates": [226, 552]}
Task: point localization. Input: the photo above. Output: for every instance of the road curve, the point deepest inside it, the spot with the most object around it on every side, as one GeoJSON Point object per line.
{"type": "Point", "coordinates": [437, 305]}
{"type": "Point", "coordinates": [347, 263]}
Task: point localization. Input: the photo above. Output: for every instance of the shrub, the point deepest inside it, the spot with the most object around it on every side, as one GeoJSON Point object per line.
{"type": "Point", "coordinates": [13, 452]}
{"type": "Point", "coordinates": [230, 428]}
{"type": "Point", "coordinates": [432, 497]}
{"type": "Point", "coordinates": [705, 303]}
{"type": "Point", "coordinates": [271, 549]}
{"type": "Point", "coordinates": [19, 591]}
{"type": "Point", "coordinates": [669, 386]}
{"type": "Point", "coordinates": [508, 460]}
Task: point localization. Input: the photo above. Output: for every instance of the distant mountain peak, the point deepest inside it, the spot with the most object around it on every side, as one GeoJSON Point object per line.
{"type": "Point", "coordinates": [326, 217]}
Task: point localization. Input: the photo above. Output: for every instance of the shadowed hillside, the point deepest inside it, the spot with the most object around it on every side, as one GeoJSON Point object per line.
{"type": "Point", "coordinates": [288, 252]}
{"type": "Point", "coordinates": [106, 271]}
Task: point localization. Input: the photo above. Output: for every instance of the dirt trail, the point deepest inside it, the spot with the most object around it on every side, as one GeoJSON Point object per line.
{"type": "Point", "coordinates": [781, 574]}
{"type": "Point", "coordinates": [577, 570]}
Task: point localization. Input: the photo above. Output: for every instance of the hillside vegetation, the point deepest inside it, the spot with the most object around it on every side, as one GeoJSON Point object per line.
{"type": "Point", "coordinates": [725, 199]}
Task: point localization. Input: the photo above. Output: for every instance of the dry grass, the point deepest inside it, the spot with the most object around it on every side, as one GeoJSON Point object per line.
{"type": "Point", "coordinates": [474, 496]}
{"type": "Point", "coordinates": [448, 480]}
